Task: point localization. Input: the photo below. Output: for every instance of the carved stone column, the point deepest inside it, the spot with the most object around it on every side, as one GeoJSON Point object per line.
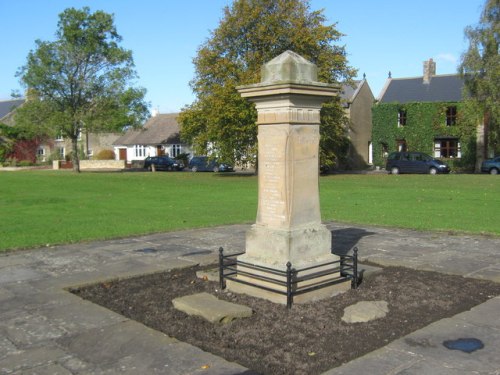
{"type": "Point", "coordinates": [288, 227]}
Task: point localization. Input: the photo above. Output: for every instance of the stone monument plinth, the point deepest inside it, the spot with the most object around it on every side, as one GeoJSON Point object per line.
{"type": "Point", "coordinates": [288, 227]}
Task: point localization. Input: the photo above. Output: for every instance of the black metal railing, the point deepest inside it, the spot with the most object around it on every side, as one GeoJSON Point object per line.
{"type": "Point", "coordinates": [289, 282]}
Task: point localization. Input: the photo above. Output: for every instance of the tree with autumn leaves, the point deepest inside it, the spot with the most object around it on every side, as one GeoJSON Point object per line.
{"type": "Point", "coordinates": [251, 33]}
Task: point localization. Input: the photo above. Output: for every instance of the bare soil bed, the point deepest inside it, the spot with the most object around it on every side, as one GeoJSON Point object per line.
{"type": "Point", "coordinates": [308, 339]}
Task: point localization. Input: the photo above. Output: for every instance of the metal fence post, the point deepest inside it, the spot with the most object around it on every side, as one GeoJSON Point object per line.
{"type": "Point", "coordinates": [221, 268]}
{"type": "Point", "coordinates": [289, 275]}
{"type": "Point", "coordinates": [355, 268]}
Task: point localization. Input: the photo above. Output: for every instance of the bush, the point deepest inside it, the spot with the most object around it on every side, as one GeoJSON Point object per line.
{"type": "Point", "coordinates": [10, 162]}
{"type": "Point", "coordinates": [105, 155]}
{"type": "Point", "coordinates": [25, 163]}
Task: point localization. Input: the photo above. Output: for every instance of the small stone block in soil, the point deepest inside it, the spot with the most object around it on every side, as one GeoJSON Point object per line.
{"type": "Point", "coordinates": [210, 308]}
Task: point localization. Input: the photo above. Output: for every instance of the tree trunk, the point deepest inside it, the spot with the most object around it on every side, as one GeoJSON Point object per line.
{"type": "Point", "coordinates": [74, 155]}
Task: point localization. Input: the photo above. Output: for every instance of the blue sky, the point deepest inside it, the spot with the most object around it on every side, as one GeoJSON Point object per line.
{"type": "Point", "coordinates": [164, 35]}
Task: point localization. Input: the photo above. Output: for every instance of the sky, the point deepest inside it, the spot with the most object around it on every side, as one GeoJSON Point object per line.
{"type": "Point", "coordinates": [164, 36]}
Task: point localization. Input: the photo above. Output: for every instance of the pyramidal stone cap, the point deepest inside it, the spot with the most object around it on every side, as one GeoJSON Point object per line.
{"type": "Point", "coordinates": [289, 67]}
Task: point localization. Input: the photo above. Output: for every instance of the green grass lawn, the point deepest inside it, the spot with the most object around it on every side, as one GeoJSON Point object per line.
{"type": "Point", "coordinates": [52, 207]}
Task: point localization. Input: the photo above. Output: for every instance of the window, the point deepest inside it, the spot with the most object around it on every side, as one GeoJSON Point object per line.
{"type": "Point", "coordinates": [447, 148]}
{"type": "Point", "coordinates": [59, 137]}
{"type": "Point", "coordinates": [401, 117]}
{"type": "Point", "coordinates": [401, 145]}
{"type": "Point", "coordinates": [40, 151]}
{"type": "Point", "coordinates": [451, 116]}
{"type": "Point", "coordinates": [140, 151]}
{"type": "Point", "coordinates": [176, 150]}
{"type": "Point", "coordinates": [385, 149]}
{"type": "Point", "coordinates": [61, 152]}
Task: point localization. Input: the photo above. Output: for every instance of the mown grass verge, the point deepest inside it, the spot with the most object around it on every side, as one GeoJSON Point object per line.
{"type": "Point", "coordinates": [39, 208]}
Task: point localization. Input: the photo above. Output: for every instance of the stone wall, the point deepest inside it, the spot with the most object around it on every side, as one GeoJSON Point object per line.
{"type": "Point", "coordinates": [102, 164]}
{"type": "Point", "coordinates": [92, 164]}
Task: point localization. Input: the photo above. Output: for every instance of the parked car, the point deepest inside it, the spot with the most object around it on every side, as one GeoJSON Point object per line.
{"type": "Point", "coordinates": [163, 163]}
{"type": "Point", "coordinates": [491, 166]}
{"type": "Point", "coordinates": [204, 164]}
{"type": "Point", "coordinates": [414, 162]}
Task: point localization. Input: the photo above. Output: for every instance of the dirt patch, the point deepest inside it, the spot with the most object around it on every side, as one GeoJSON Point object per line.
{"type": "Point", "coordinates": [308, 339]}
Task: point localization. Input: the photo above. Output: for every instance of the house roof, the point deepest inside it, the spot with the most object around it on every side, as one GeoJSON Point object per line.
{"type": "Point", "coordinates": [349, 92]}
{"type": "Point", "coordinates": [159, 129]}
{"type": "Point", "coordinates": [441, 88]}
{"type": "Point", "coordinates": [7, 106]}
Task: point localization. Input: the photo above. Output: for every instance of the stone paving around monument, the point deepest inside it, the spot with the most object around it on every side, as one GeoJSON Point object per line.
{"type": "Point", "coordinates": [44, 329]}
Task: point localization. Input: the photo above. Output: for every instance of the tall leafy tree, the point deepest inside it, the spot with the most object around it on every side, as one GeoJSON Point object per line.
{"type": "Point", "coordinates": [251, 33]}
{"type": "Point", "coordinates": [81, 82]}
{"type": "Point", "coordinates": [480, 67]}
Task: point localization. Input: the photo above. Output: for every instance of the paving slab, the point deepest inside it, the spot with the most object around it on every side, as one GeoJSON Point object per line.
{"type": "Point", "coordinates": [382, 361]}
{"type": "Point", "coordinates": [211, 308]}
{"type": "Point", "coordinates": [428, 342]}
{"type": "Point", "coordinates": [131, 348]}
{"type": "Point", "coordinates": [18, 274]}
{"type": "Point", "coordinates": [365, 311]}
{"type": "Point", "coordinates": [25, 360]}
{"type": "Point", "coordinates": [50, 369]}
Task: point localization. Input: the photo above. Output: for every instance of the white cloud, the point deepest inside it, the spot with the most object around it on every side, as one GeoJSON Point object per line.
{"type": "Point", "coordinates": [446, 58]}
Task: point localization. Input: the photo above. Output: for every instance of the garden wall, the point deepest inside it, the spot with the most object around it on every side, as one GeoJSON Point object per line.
{"type": "Point", "coordinates": [93, 164]}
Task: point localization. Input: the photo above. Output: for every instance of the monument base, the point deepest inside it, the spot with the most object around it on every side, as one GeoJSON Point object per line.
{"type": "Point", "coordinates": [310, 296]}
{"type": "Point", "coordinates": [314, 271]}
{"type": "Point", "coordinates": [302, 246]}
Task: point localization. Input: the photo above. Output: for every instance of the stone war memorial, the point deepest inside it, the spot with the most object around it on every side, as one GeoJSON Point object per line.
{"type": "Point", "coordinates": [288, 250]}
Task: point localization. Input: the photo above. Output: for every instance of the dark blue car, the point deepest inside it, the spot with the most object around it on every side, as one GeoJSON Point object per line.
{"type": "Point", "coordinates": [491, 166]}
{"type": "Point", "coordinates": [414, 162]}
{"type": "Point", "coordinates": [163, 163]}
{"type": "Point", "coordinates": [204, 164]}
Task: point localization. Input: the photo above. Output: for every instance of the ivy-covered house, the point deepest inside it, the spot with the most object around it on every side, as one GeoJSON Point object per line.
{"type": "Point", "coordinates": [424, 114]}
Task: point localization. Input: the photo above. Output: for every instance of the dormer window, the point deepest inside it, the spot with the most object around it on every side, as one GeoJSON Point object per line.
{"type": "Point", "coordinates": [401, 117]}
{"type": "Point", "coordinates": [451, 116]}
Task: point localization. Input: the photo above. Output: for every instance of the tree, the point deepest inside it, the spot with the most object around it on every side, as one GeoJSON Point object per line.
{"type": "Point", "coordinates": [80, 82]}
{"type": "Point", "coordinates": [480, 68]}
{"type": "Point", "coordinates": [251, 33]}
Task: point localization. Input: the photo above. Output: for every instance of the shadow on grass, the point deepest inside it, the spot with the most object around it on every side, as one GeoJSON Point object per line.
{"type": "Point", "coordinates": [235, 174]}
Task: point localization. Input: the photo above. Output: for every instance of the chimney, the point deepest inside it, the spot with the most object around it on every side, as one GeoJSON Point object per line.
{"type": "Point", "coordinates": [429, 70]}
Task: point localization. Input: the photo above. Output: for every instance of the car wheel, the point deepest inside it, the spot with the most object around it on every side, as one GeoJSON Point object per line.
{"type": "Point", "coordinates": [394, 170]}
{"type": "Point", "coordinates": [493, 171]}
{"type": "Point", "coordinates": [433, 171]}
{"type": "Point", "coordinates": [194, 169]}
{"type": "Point", "coordinates": [150, 168]}
{"type": "Point", "coordinates": [216, 169]}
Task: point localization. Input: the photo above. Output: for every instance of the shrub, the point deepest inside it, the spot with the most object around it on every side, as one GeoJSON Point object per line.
{"type": "Point", "coordinates": [105, 155]}
{"type": "Point", "coordinates": [25, 163]}
{"type": "Point", "coordinates": [10, 162]}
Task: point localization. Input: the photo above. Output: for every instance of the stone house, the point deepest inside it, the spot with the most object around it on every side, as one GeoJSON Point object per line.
{"type": "Point", "coordinates": [357, 101]}
{"type": "Point", "coordinates": [424, 114]}
{"type": "Point", "coordinates": [7, 110]}
{"type": "Point", "coordinates": [90, 145]}
{"type": "Point", "coordinates": [159, 136]}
